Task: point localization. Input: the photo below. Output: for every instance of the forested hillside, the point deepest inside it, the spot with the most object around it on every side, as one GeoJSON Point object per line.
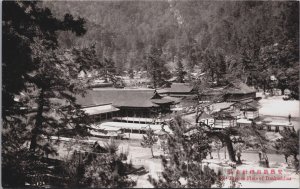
{"type": "Point", "coordinates": [246, 40]}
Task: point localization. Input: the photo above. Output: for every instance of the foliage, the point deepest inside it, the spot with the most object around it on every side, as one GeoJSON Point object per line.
{"type": "Point", "coordinates": [180, 73]}
{"type": "Point", "coordinates": [253, 137]}
{"type": "Point", "coordinates": [156, 68]}
{"type": "Point", "coordinates": [24, 22]}
{"type": "Point", "coordinates": [131, 73]}
{"type": "Point", "coordinates": [183, 167]}
{"type": "Point", "coordinates": [48, 70]}
{"type": "Point", "coordinates": [40, 81]}
{"type": "Point", "coordinates": [217, 144]}
{"type": "Point", "coordinates": [246, 40]}
{"type": "Point", "coordinates": [149, 140]}
{"type": "Point", "coordinates": [289, 145]}
{"type": "Point", "coordinates": [223, 38]}
{"type": "Point", "coordinates": [205, 86]}
{"type": "Point", "coordinates": [18, 165]}
{"type": "Point", "coordinates": [112, 146]}
{"type": "Point", "coordinates": [214, 64]}
{"type": "Point", "coordinates": [57, 83]}
{"type": "Point", "coordinates": [109, 72]}
{"type": "Point", "coordinates": [282, 61]}
{"type": "Point", "coordinates": [97, 170]}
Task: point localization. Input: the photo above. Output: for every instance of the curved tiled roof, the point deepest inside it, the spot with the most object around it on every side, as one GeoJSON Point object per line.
{"type": "Point", "coordinates": [204, 115]}
{"type": "Point", "coordinates": [221, 106]}
{"type": "Point", "coordinates": [240, 88]}
{"type": "Point", "coordinates": [120, 97]}
{"type": "Point", "coordinates": [178, 88]}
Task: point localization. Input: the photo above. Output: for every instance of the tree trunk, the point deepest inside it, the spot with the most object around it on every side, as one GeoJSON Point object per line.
{"type": "Point", "coordinates": [152, 151]}
{"type": "Point", "coordinates": [225, 138]}
{"type": "Point", "coordinates": [296, 164]}
{"type": "Point", "coordinates": [154, 81]}
{"type": "Point", "coordinates": [295, 157]}
{"type": "Point", "coordinates": [230, 149]}
{"type": "Point", "coordinates": [267, 162]}
{"type": "Point", "coordinates": [198, 114]}
{"type": "Point", "coordinates": [286, 158]}
{"type": "Point", "coordinates": [38, 122]}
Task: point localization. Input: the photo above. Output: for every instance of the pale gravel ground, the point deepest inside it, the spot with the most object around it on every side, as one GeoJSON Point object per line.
{"type": "Point", "coordinates": [250, 159]}
{"type": "Point", "coordinates": [276, 109]}
{"type": "Point", "coordinates": [142, 156]}
{"type": "Point", "coordinates": [276, 106]}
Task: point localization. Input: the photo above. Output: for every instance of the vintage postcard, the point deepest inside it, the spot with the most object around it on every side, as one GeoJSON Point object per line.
{"type": "Point", "coordinates": [150, 94]}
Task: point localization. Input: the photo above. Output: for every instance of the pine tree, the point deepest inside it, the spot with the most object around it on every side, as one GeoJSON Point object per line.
{"type": "Point", "coordinates": [22, 23]}
{"type": "Point", "coordinates": [253, 137]}
{"type": "Point", "coordinates": [183, 167]}
{"type": "Point", "coordinates": [39, 86]}
{"type": "Point", "coordinates": [156, 68]}
{"type": "Point", "coordinates": [149, 140]}
{"type": "Point", "coordinates": [203, 87]}
{"type": "Point", "coordinates": [57, 83]}
{"type": "Point", "coordinates": [289, 146]}
{"type": "Point", "coordinates": [180, 73]}
{"type": "Point", "coordinates": [109, 70]}
{"type": "Point", "coordinates": [131, 74]}
{"type": "Point", "coordinates": [98, 170]}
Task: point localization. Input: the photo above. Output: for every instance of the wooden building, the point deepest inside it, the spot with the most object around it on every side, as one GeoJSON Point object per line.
{"type": "Point", "coordinates": [234, 92]}
{"type": "Point", "coordinates": [223, 120]}
{"type": "Point", "coordinates": [129, 102]}
{"type": "Point", "coordinates": [239, 91]}
{"type": "Point", "coordinates": [249, 109]}
{"type": "Point", "coordinates": [178, 90]}
{"type": "Point", "coordinates": [215, 93]}
{"type": "Point", "coordinates": [207, 119]}
{"type": "Point", "coordinates": [100, 113]}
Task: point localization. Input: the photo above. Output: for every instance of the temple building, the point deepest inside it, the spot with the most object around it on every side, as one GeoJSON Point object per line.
{"type": "Point", "coordinates": [105, 103]}
{"type": "Point", "coordinates": [178, 90]}
{"type": "Point", "coordinates": [239, 91]}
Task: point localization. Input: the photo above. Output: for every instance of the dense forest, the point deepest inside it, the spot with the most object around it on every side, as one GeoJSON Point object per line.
{"type": "Point", "coordinates": [247, 40]}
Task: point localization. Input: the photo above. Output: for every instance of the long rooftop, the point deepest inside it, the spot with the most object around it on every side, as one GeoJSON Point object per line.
{"type": "Point", "coordinates": [122, 98]}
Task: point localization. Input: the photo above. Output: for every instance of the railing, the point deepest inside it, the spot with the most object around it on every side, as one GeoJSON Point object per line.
{"type": "Point", "coordinates": [139, 119]}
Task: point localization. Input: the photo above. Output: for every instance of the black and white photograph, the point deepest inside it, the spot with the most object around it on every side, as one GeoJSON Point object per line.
{"type": "Point", "coordinates": [150, 94]}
